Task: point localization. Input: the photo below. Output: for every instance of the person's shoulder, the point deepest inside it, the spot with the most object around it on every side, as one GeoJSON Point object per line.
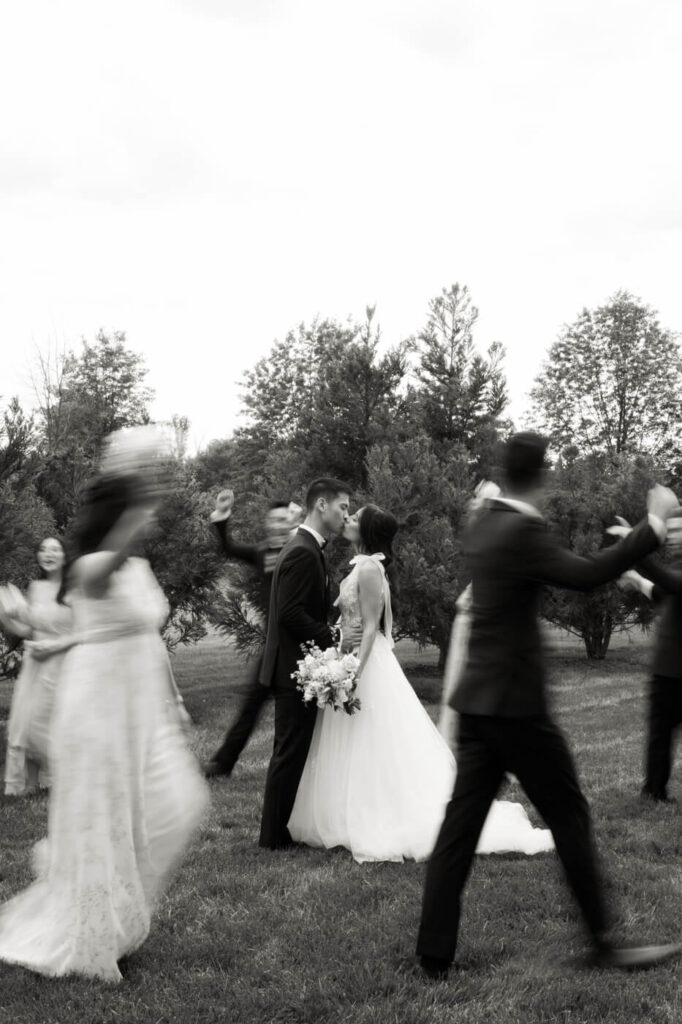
{"type": "Point", "coordinates": [299, 547]}
{"type": "Point", "coordinates": [370, 569]}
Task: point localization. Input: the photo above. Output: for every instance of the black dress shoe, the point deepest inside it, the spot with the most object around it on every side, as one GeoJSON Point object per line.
{"type": "Point", "coordinates": [415, 967]}
{"type": "Point", "coordinates": [657, 798]}
{"type": "Point", "coordinates": [212, 769]}
{"type": "Point", "coordinates": [630, 958]}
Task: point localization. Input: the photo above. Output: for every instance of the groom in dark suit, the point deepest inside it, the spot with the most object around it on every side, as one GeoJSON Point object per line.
{"type": "Point", "coordinates": [299, 608]}
{"type": "Point", "coordinates": [504, 725]}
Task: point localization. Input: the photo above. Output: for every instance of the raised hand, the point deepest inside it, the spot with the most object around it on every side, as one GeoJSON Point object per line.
{"type": "Point", "coordinates": [661, 502]}
{"type": "Point", "coordinates": [223, 506]}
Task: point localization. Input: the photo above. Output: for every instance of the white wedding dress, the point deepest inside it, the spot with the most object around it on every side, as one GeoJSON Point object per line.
{"type": "Point", "coordinates": [377, 782]}
{"type": "Point", "coordinates": [126, 794]}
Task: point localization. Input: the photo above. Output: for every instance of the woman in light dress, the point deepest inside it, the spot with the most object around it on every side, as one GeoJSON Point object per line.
{"type": "Point", "coordinates": [43, 619]}
{"type": "Point", "coordinates": [377, 782]}
{"type": "Point", "coordinates": [126, 794]}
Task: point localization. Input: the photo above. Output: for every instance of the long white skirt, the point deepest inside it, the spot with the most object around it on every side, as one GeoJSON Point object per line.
{"type": "Point", "coordinates": [126, 797]}
{"type": "Point", "coordinates": [377, 782]}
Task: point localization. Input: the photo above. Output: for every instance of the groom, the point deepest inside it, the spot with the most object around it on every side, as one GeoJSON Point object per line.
{"type": "Point", "coordinates": [504, 724]}
{"type": "Point", "coordinates": [299, 607]}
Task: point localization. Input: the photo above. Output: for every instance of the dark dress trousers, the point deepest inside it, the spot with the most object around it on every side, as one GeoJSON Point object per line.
{"type": "Point", "coordinates": [263, 559]}
{"type": "Point", "coordinates": [299, 606]}
{"type": "Point", "coordinates": [504, 725]}
{"type": "Point", "coordinates": [665, 688]}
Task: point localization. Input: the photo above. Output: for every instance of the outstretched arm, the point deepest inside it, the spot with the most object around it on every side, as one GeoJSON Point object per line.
{"type": "Point", "coordinates": [370, 588]}
{"type": "Point", "coordinates": [547, 562]}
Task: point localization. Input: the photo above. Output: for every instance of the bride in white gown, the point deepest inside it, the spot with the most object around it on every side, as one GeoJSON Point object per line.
{"type": "Point", "coordinates": [377, 782]}
{"type": "Point", "coordinates": [126, 792]}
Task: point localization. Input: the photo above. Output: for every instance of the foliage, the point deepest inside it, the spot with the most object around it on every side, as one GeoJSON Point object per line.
{"type": "Point", "coordinates": [462, 394]}
{"type": "Point", "coordinates": [183, 556]}
{"type": "Point", "coordinates": [82, 398]}
{"type": "Point", "coordinates": [429, 495]}
{"type": "Point", "coordinates": [586, 495]}
{"type": "Point", "coordinates": [612, 384]}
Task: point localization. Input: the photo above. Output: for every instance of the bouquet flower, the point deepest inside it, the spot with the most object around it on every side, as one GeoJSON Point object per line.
{"type": "Point", "coordinates": [328, 678]}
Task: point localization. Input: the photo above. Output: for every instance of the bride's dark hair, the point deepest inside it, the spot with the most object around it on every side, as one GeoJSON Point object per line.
{"type": "Point", "coordinates": [104, 501]}
{"type": "Point", "coordinates": [377, 531]}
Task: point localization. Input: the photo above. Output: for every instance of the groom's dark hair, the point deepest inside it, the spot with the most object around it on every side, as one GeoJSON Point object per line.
{"type": "Point", "coordinates": [325, 487]}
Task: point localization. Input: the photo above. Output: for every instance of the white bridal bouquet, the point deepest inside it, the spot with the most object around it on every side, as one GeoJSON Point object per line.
{"type": "Point", "coordinates": [328, 678]}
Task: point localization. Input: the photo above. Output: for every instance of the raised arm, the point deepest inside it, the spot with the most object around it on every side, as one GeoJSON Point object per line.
{"type": "Point", "coordinates": [295, 584]}
{"type": "Point", "coordinates": [370, 589]}
{"type": "Point", "coordinates": [93, 572]}
{"type": "Point", "coordinates": [220, 520]}
{"type": "Point", "coordinates": [234, 548]}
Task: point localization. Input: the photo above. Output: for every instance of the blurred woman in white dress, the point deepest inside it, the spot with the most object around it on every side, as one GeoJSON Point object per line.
{"type": "Point", "coordinates": [43, 620]}
{"type": "Point", "coordinates": [377, 782]}
{"type": "Point", "coordinates": [127, 794]}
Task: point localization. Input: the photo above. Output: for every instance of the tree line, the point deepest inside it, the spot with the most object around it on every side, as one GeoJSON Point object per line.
{"type": "Point", "coordinates": [413, 427]}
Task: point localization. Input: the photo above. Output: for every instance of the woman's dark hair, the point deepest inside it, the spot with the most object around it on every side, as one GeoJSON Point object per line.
{"type": "Point", "coordinates": [65, 567]}
{"type": "Point", "coordinates": [104, 501]}
{"type": "Point", "coordinates": [377, 530]}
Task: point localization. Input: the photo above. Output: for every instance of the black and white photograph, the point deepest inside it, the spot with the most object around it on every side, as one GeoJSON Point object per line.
{"type": "Point", "coordinates": [340, 512]}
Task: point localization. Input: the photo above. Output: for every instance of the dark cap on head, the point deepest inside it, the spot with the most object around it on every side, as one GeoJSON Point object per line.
{"type": "Point", "coordinates": [524, 458]}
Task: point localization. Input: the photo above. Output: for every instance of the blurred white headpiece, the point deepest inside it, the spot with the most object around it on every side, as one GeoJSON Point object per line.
{"type": "Point", "coordinates": [135, 449]}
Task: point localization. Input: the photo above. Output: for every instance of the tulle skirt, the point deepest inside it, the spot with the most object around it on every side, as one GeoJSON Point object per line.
{"type": "Point", "coordinates": [126, 797]}
{"type": "Point", "coordinates": [377, 782]}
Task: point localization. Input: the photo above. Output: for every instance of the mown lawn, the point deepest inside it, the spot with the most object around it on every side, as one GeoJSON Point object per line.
{"type": "Point", "coordinates": [246, 935]}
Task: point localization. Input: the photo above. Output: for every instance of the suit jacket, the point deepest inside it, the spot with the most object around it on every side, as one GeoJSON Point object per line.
{"type": "Point", "coordinates": [299, 606]}
{"type": "Point", "coordinates": [261, 556]}
{"type": "Point", "coordinates": [512, 555]}
{"type": "Point", "coordinates": [668, 592]}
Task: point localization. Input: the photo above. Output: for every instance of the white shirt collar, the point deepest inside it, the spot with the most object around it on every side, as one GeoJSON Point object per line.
{"type": "Point", "coordinates": [520, 506]}
{"type": "Point", "coordinates": [318, 536]}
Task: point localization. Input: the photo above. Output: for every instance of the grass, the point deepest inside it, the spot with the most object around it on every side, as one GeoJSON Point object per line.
{"type": "Point", "coordinates": [246, 935]}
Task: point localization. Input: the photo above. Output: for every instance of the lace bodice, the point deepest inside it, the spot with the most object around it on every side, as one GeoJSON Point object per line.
{"type": "Point", "coordinates": [348, 601]}
{"type": "Point", "coordinates": [132, 602]}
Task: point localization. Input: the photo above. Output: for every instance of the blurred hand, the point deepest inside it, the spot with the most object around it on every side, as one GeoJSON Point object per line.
{"type": "Point", "coordinates": [661, 502]}
{"type": "Point", "coordinates": [629, 581]}
{"type": "Point", "coordinates": [621, 530]}
{"type": "Point", "coordinates": [12, 602]}
{"type": "Point", "coordinates": [223, 506]}
{"type": "Point", "coordinates": [42, 649]}
{"type": "Point", "coordinates": [352, 635]}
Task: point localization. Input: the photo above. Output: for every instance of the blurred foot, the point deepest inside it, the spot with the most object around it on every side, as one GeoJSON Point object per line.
{"type": "Point", "coordinates": [423, 968]}
{"type": "Point", "coordinates": [657, 798]}
{"type": "Point", "coordinates": [213, 769]}
{"type": "Point", "coordinates": [630, 958]}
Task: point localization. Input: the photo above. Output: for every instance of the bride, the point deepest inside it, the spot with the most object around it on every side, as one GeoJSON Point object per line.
{"type": "Point", "coordinates": [377, 782]}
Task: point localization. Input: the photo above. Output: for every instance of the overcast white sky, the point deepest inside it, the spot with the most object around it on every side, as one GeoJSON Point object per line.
{"type": "Point", "coordinates": [205, 174]}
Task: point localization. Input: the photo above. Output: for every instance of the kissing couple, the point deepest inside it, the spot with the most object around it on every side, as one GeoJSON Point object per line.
{"type": "Point", "coordinates": [376, 782]}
